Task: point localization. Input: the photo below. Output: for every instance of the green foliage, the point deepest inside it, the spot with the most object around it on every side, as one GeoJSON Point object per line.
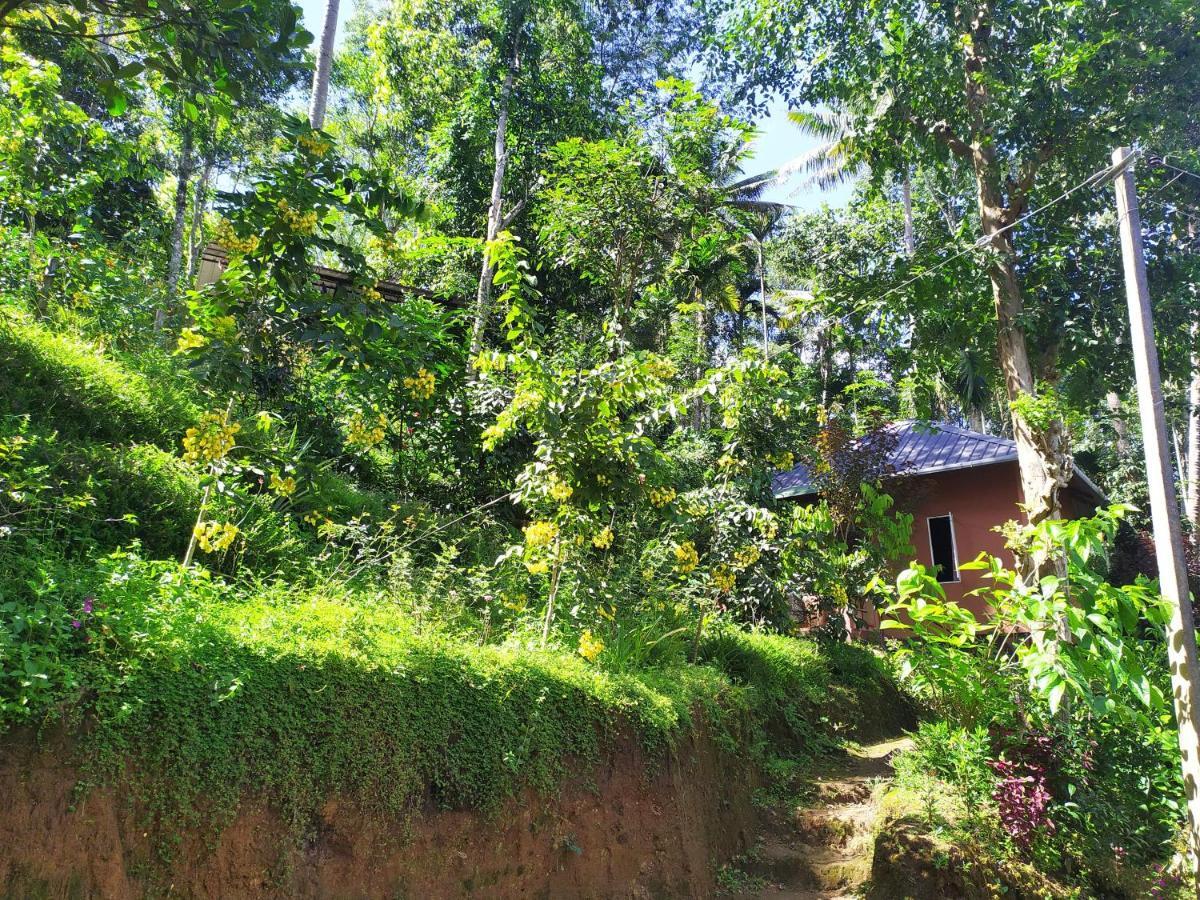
{"type": "Point", "coordinates": [200, 690]}
{"type": "Point", "coordinates": [68, 385]}
{"type": "Point", "coordinates": [1083, 632]}
{"type": "Point", "coordinates": [954, 756]}
{"type": "Point", "coordinates": [198, 51]}
{"type": "Point", "coordinates": [1049, 693]}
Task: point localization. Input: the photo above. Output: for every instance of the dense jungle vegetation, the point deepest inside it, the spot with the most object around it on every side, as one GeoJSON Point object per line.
{"type": "Point", "coordinates": [501, 490]}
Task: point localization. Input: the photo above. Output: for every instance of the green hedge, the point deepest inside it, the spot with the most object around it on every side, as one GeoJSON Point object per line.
{"type": "Point", "coordinates": [199, 692]}
{"type": "Point", "coordinates": [69, 385]}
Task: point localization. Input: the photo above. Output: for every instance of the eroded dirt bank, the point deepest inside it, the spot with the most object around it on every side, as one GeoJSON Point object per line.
{"type": "Point", "coordinates": [625, 830]}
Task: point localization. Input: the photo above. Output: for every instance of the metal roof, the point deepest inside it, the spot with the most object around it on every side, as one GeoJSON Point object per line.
{"type": "Point", "coordinates": [926, 448]}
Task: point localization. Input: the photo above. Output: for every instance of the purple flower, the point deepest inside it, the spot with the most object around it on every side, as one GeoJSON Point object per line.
{"type": "Point", "coordinates": [88, 602]}
{"type": "Point", "coordinates": [75, 623]}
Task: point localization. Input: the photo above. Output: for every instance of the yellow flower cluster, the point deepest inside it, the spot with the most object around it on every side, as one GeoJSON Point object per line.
{"type": "Point", "coordinates": [284, 487]}
{"type": "Point", "coordinates": [228, 239]}
{"type": "Point", "coordinates": [211, 440]}
{"type": "Point", "coordinates": [768, 527]}
{"type": "Point", "coordinates": [537, 566]}
{"type": "Point", "coordinates": [590, 646]}
{"type": "Point", "coordinates": [603, 540]}
{"type": "Point", "coordinates": [727, 462]}
{"type": "Point", "coordinates": [746, 557]}
{"type": "Point", "coordinates": [190, 339]}
{"type": "Point", "coordinates": [660, 497]}
{"type": "Point", "coordinates": [421, 385]}
{"type": "Point", "coordinates": [560, 490]}
{"type": "Point", "coordinates": [364, 433]}
{"type": "Point", "coordinates": [213, 537]}
{"type": "Point", "coordinates": [784, 460]}
{"type": "Point", "coordinates": [301, 223]}
{"type": "Point", "coordinates": [686, 557]}
{"type": "Point", "coordinates": [696, 508]}
{"type": "Point", "coordinates": [314, 144]}
{"type": "Point", "coordinates": [225, 327]}
{"type": "Point", "coordinates": [540, 534]}
{"type": "Point", "coordinates": [663, 369]}
{"type": "Point", "coordinates": [263, 421]}
{"type": "Point", "coordinates": [723, 579]}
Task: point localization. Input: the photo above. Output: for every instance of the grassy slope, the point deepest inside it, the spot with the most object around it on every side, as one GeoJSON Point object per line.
{"type": "Point", "coordinates": [113, 427]}
{"type": "Point", "coordinates": [198, 690]}
{"type": "Point", "coordinates": [212, 690]}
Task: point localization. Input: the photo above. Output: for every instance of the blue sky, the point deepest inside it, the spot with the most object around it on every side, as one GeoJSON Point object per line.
{"type": "Point", "coordinates": [778, 141]}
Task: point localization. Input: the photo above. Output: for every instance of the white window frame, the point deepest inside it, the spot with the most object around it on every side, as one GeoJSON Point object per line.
{"type": "Point", "coordinates": [957, 579]}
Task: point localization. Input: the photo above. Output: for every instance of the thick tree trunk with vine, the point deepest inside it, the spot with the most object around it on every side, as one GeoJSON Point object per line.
{"type": "Point", "coordinates": [183, 177]}
{"type": "Point", "coordinates": [483, 296]}
{"type": "Point", "coordinates": [1043, 451]}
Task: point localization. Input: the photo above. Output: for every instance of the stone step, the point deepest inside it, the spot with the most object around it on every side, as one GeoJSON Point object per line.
{"type": "Point", "coordinates": [833, 826]}
{"type": "Point", "coordinates": [833, 793]}
{"type": "Point", "coordinates": [805, 866]}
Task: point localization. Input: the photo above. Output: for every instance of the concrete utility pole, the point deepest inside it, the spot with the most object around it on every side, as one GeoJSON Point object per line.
{"type": "Point", "coordinates": [1164, 510]}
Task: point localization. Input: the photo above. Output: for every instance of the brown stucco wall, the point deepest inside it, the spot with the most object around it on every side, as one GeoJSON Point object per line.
{"type": "Point", "coordinates": [978, 499]}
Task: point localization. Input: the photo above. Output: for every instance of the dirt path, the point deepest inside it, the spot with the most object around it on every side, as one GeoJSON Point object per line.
{"type": "Point", "coordinates": [821, 849]}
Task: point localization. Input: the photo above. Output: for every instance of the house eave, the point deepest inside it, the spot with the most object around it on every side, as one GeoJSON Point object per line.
{"type": "Point", "coordinates": [809, 490]}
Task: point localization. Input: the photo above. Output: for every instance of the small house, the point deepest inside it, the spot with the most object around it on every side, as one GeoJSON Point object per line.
{"type": "Point", "coordinates": [963, 485]}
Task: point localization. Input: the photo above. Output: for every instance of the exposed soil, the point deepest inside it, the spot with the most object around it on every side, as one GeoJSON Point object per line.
{"type": "Point", "coordinates": [823, 847]}
{"type": "Point", "coordinates": [617, 833]}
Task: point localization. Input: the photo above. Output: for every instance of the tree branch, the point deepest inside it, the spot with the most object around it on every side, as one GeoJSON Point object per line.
{"type": "Point", "coordinates": [508, 218]}
{"type": "Point", "coordinates": [1019, 188]}
{"type": "Point", "coordinates": [942, 132]}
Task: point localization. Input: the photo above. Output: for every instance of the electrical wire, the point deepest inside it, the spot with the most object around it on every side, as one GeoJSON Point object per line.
{"type": "Point", "coordinates": [1102, 176]}
{"type": "Point", "coordinates": [1182, 172]}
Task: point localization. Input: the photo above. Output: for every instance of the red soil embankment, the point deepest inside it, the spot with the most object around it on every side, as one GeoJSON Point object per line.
{"type": "Point", "coordinates": [632, 828]}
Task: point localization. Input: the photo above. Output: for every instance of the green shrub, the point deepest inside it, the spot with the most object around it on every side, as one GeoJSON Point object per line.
{"type": "Point", "coordinates": [71, 386]}
{"type": "Point", "coordinates": [801, 690]}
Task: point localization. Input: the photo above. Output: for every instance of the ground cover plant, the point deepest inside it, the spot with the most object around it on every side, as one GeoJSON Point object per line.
{"type": "Point", "coordinates": [1056, 747]}
{"type": "Point", "coordinates": [495, 490]}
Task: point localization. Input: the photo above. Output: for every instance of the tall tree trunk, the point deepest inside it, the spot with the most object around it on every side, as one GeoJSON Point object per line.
{"type": "Point", "coordinates": [975, 420]}
{"type": "Point", "coordinates": [1113, 400]}
{"type": "Point", "coordinates": [762, 299]}
{"type": "Point", "coordinates": [320, 82]}
{"type": "Point", "coordinates": [700, 408]}
{"type": "Point", "coordinates": [199, 206]}
{"type": "Point", "coordinates": [483, 296]}
{"type": "Point", "coordinates": [1043, 452]}
{"type": "Point", "coordinates": [183, 176]}
{"type": "Point", "coordinates": [910, 234]}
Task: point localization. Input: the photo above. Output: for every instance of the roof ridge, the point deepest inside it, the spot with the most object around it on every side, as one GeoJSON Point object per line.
{"type": "Point", "coordinates": [959, 430]}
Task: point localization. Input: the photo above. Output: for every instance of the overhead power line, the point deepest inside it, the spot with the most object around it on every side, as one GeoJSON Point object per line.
{"type": "Point", "coordinates": [1095, 180]}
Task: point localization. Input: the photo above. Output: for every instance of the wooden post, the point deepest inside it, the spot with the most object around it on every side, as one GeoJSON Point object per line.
{"type": "Point", "coordinates": [1164, 509]}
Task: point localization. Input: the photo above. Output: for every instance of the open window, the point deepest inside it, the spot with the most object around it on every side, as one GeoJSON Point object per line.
{"type": "Point", "coordinates": [941, 548]}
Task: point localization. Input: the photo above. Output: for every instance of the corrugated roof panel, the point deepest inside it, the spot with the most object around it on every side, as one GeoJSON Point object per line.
{"type": "Point", "coordinates": [921, 449]}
